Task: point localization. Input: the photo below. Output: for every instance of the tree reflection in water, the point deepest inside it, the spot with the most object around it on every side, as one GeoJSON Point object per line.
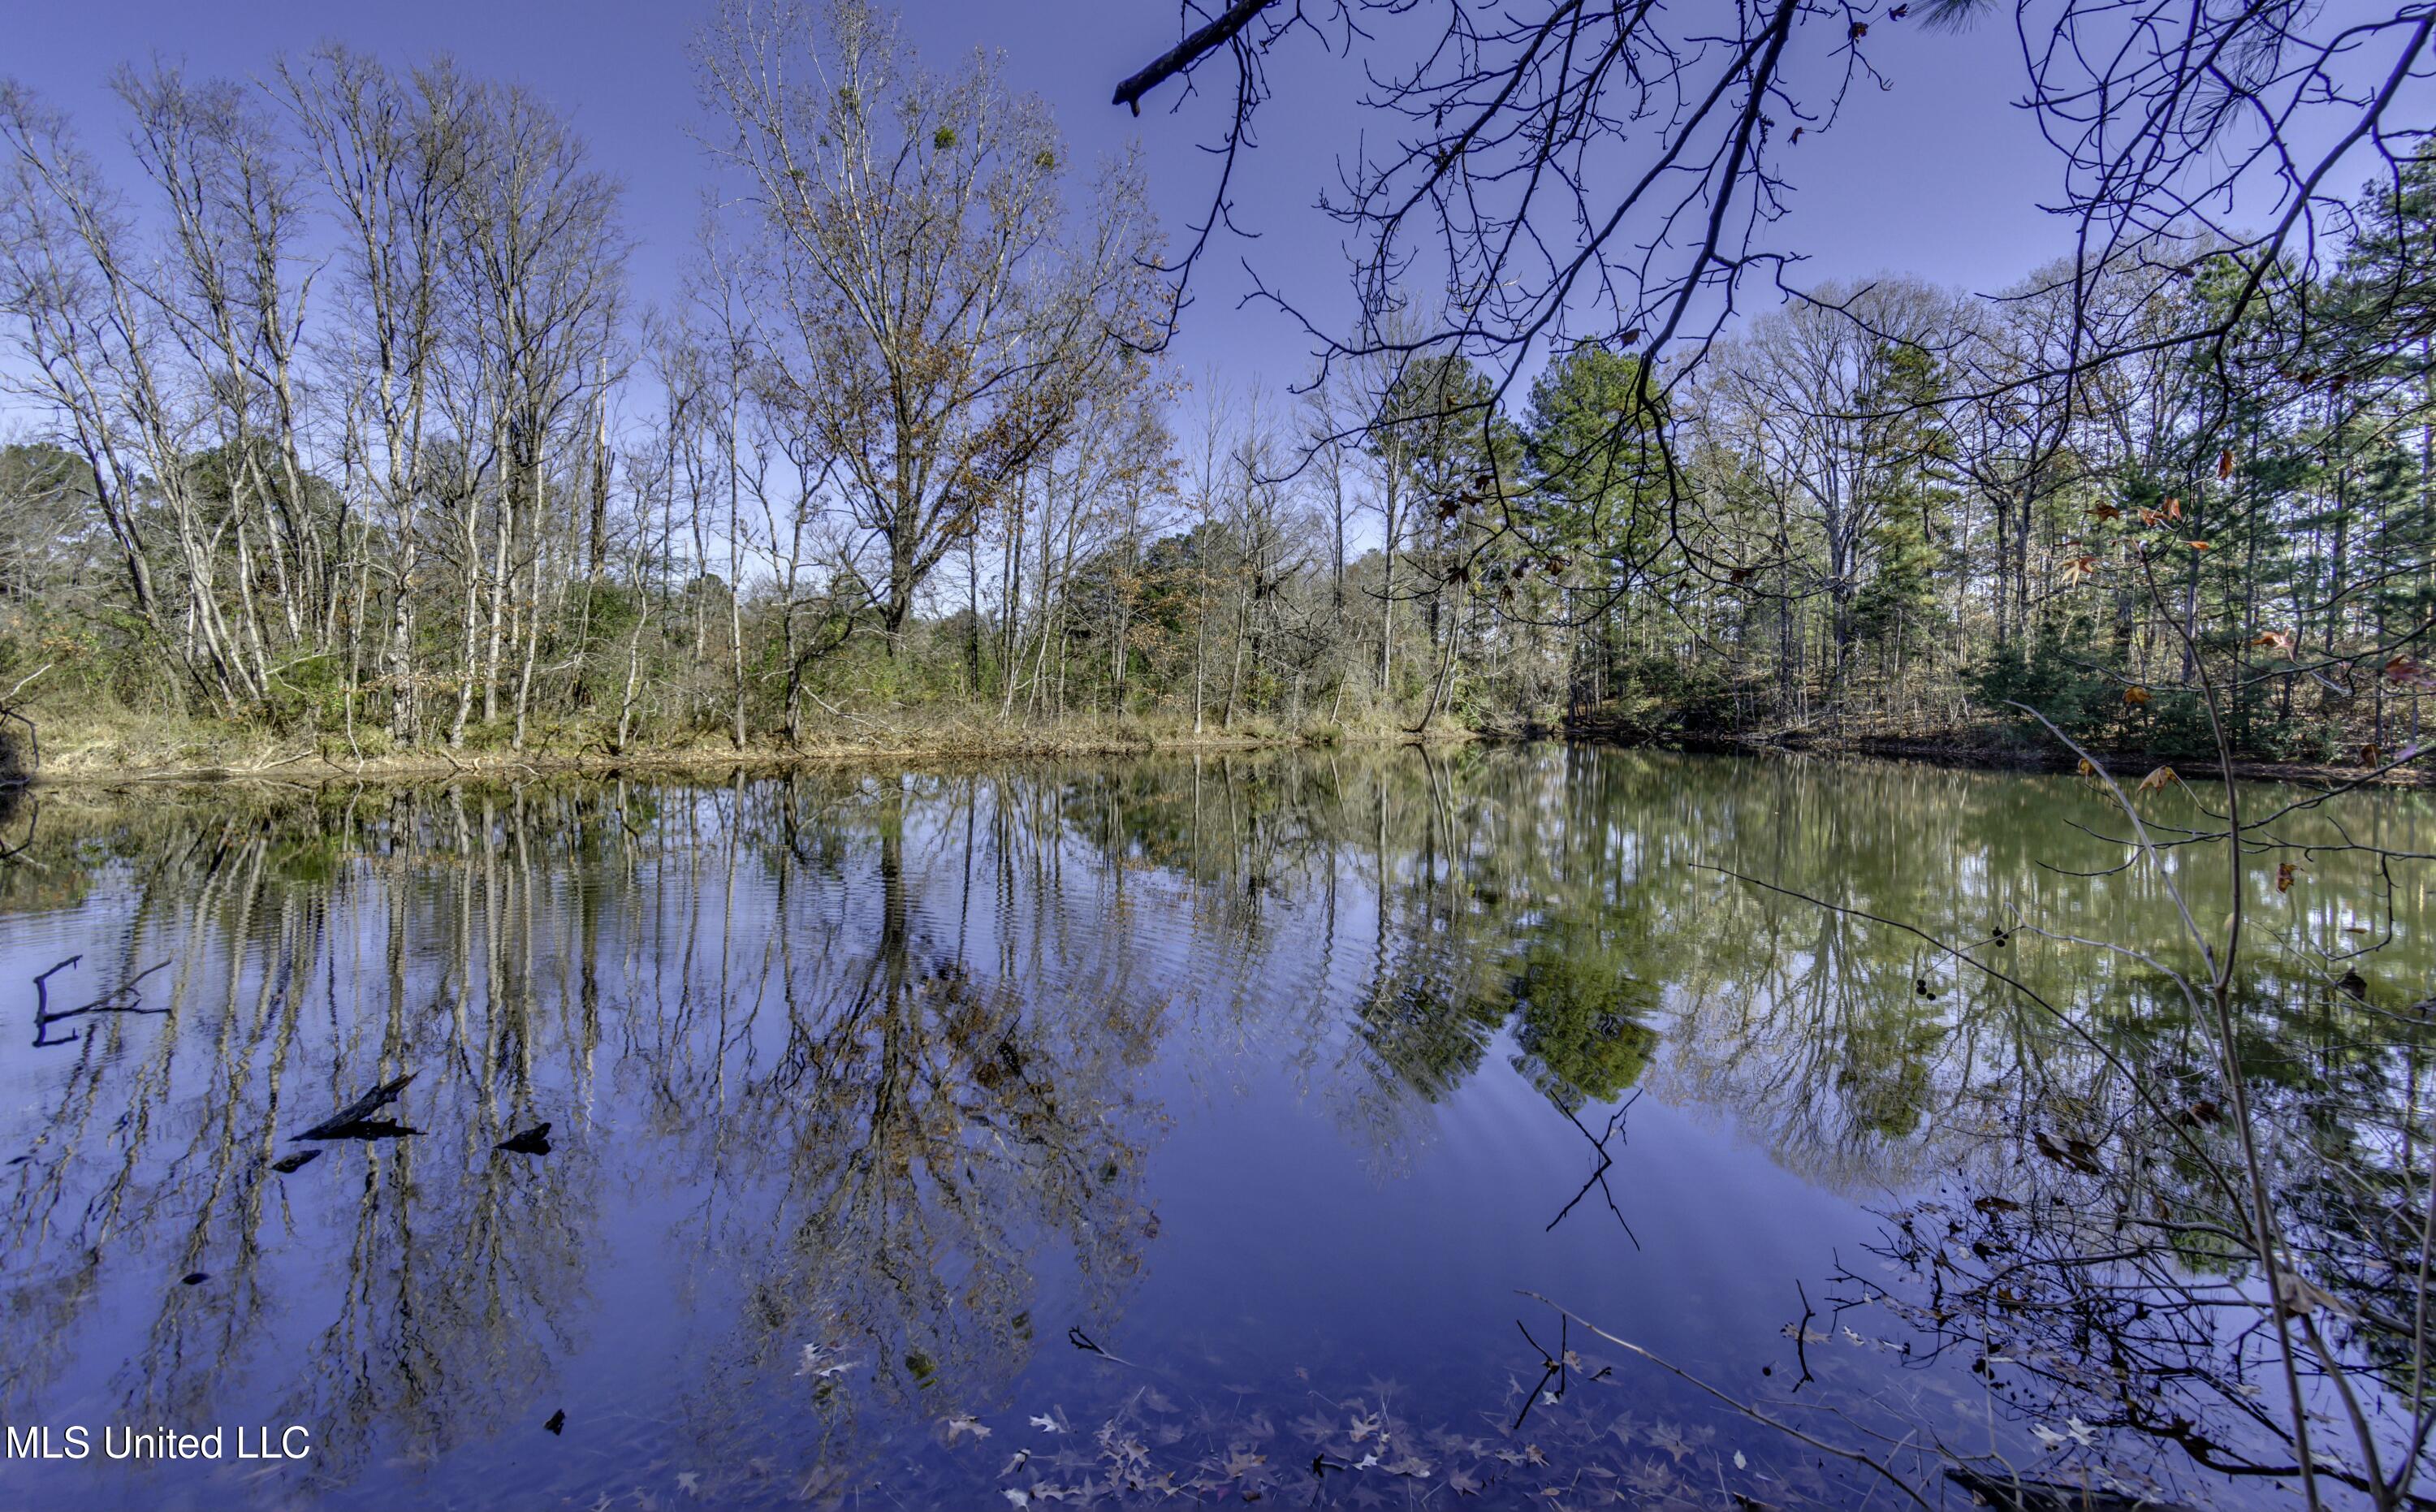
{"type": "Point", "coordinates": [866, 1087]}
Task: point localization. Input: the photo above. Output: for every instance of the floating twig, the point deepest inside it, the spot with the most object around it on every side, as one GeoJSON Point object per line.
{"type": "Point", "coordinates": [108, 1002]}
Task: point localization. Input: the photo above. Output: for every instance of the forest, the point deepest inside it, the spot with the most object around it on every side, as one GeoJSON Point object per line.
{"type": "Point", "coordinates": [333, 426]}
{"type": "Point", "coordinates": [682, 971]}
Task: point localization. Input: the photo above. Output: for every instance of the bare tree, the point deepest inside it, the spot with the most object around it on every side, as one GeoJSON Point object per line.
{"type": "Point", "coordinates": [945, 316]}
{"type": "Point", "coordinates": [390, 153]}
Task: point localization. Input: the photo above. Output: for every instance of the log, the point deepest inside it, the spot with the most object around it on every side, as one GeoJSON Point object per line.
{"type": "Point", "coordinates": [337, 1126]}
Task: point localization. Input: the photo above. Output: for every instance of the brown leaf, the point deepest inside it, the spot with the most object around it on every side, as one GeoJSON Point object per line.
{"type": "Point", "coordinates": [2073, 1153]}
{"type": "Point", "coordinates": [2157, 780]}
{"type": "Point", "coordinates": [2404, 669]}
{"type": "Point", "coordinates": [2135, 694]}
{"type": "Point", "coordinates": [2224, 464]}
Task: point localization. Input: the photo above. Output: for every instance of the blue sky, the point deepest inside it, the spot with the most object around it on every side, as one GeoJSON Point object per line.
{"type": "Point", "coordinates": [1939, 175]}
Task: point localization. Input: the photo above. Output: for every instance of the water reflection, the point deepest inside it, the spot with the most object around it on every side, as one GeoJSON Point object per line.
{"type": "Point", "coordinates": [1067, 1130]}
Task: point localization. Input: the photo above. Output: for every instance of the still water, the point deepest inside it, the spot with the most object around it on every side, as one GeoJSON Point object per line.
{"type": "Point", "coordinates": [1100, 1134]}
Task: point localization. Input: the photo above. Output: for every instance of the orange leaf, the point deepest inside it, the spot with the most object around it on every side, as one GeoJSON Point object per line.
{"type": "Point", "coordinates": [2173, 508]}
{"type": "Point", "coordinates": [2135, 695]}
{"type": "Point", "coordinates": [2087, 770]}
{"type": "Point", "coordinates": [2105, 512]}
{"type": "Point", "coordinates": [2224, 464]}
{"type": "Point", "coordinates": [2157, 780]}
{"type": "Point", "coordinates": [2283, 875]}
{"type": "Point", "coordinates": [2196, 546]}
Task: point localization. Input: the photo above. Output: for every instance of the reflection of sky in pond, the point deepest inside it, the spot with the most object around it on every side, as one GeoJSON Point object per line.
{"type": "Point", "coordinates": [866, 1090]}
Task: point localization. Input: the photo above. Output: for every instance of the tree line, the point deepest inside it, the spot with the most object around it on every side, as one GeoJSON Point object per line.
{"type": "Point", "coordinates": [337, 418]}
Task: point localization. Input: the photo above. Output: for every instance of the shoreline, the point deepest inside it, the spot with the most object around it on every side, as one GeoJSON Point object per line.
{"type": "Point", "coordinates": [1962, 755]}
{"type": "Point", "coordinates": [320, 766]}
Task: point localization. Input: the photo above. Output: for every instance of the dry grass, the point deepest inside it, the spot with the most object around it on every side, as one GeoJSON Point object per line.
{"type": "Point", "coordinates": [110, 745]}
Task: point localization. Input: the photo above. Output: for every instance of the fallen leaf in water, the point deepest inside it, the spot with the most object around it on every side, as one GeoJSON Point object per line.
{"type": "Point", "coordinates": [286, 1164]}
{"type": "Point", "coordinates": [1047, 1424]}
{"type": "Point", "coordinates": [823, 1363]}
{"type": "Point", "coordinates": [195, 1277]}
{"type": "Point", "coordinates": [2072, 1152]}
{"type": "Point", "coordinates": [964, 1423]}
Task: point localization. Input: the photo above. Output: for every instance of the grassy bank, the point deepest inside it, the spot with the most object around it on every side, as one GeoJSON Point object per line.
{"type": "Point", "coordinates": [103, 746]}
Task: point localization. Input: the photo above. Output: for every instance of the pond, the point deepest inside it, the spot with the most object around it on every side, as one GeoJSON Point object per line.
{"type": "Point", "coordinates": [1228, 1129]}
